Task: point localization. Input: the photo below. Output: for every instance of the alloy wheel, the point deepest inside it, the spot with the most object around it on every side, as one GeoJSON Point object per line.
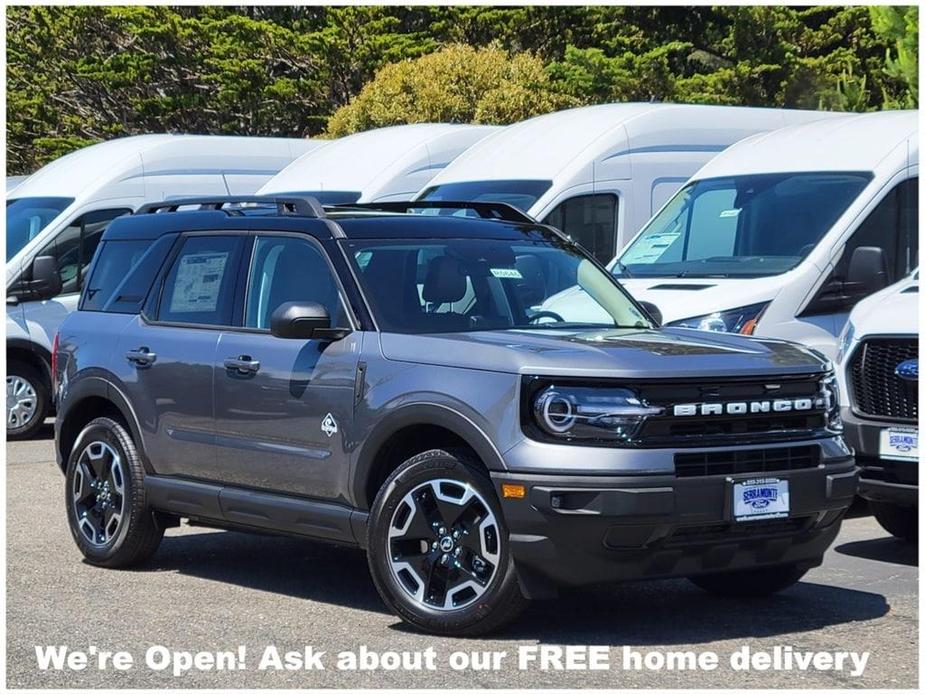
{"type": "Point", "coordinates": [98, 493]}
{"type": "Point", "coordinates": [21, 402]}
{"type": "Point", "coordinates": [444, 544]}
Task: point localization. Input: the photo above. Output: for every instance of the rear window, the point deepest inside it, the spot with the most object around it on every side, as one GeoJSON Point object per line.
{"type": "Point", "coordinates": [122, 274]}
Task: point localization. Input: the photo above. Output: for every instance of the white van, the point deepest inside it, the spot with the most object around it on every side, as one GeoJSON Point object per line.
{"type": "Point", "coordinates": [599, 172]}
{"type": "Point", "coordinates": [782, 234]}
{"type": "Point", "coordinates": [381, 165]}
{"type": "Point", "coordinates": [54, 220]}
{"type": "Point", "coordinates": [12, 182]}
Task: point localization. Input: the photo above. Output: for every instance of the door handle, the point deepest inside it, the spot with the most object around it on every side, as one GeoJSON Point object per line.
{"type": "Point", "coordinates": [141, 357]}
{"type": "Point", "coordinates": [243, 365]}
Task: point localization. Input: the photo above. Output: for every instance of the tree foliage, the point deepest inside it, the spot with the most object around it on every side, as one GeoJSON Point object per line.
{"type": "Point", "coordinates": [79, 74]}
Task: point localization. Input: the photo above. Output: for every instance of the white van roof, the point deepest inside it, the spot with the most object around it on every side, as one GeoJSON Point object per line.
{"type": "Point", "coordinates": [848, 142]}
{"type": "Point", "coordinates": [392, 163]}
{"type": "Point", "coordinates": [563, 145]}
{"type": "Point", "coordinates": [122, 159]}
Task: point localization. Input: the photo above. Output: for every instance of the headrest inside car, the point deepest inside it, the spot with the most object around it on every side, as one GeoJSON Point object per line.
{"type": "Point", "coordinates": [445, 281]}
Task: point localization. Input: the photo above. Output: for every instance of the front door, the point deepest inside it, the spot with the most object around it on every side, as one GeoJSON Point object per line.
{"type": "Point", "coordinates": [283, 406]}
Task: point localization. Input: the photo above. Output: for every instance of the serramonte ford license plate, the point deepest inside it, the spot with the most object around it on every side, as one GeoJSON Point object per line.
{"type": "Point", "coordinates": [760, 499]}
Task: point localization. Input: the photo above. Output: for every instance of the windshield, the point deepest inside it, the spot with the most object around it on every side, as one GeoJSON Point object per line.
{"type": "Point", "coordinates": [464, 285]}
{"type": "Point", "coordinates": [26, 217]}
{"type": "Point", "coordinates": [520, 194]}
{"type": "Point", "coordinates": [741, 226]}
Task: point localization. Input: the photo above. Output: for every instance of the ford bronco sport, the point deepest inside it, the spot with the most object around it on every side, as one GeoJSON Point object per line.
{"type": "Point", "coordinates": [384, 377]}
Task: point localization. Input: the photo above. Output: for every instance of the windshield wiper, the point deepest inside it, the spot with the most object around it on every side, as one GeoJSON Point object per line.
{"type": "Point", "coordinates": [623, 269]}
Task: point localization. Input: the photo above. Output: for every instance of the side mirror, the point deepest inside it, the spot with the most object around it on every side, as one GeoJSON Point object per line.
{"type": "Point", "coordinates": [653, 312]}
{"type": "Point", "coordinates": [303, 321]}
{"type": "Point", "coordinates": [866, 271]}
{"type": "Point", "coordinates": [45, 282]}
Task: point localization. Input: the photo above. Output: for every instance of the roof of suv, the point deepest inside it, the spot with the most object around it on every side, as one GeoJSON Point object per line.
{"type": "Point", "coordinates": [330, 222]}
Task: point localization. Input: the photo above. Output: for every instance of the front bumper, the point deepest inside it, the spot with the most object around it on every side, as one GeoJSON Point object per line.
{"type": "Point", "coordinates": [888, 481]}
{"type": "Point", "coordinates": [576, 530]}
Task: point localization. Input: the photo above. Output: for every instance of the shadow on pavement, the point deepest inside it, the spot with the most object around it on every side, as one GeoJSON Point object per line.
{"type": "Point", "coordinates": [886, 549]}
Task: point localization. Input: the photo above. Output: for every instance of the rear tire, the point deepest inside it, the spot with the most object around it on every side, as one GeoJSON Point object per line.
{"type": "Point", "coordinates": [899, 521]}
{"type": "Point", "coordinates": [751, 583]}
{"type": "Point", "coordinates": [27, 400]}
{"type": "Point", "coordinates": [438, 548]}
{"type": "Point", "coordinates": [105, 498]}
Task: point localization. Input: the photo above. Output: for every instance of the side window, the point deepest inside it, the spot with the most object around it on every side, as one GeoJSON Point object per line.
{"type": "Point", "coordinates": [285, 268]}
{"type": "Point", "coordinates": [123, 274]}
{"type": "Point", "coordinates": [591, 220]}
{"type": "Point", "coordinates": [74, 247]}
{"type": "Point", "coordinates": [200, 286]}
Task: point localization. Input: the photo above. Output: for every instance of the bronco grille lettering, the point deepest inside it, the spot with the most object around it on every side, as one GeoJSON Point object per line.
{"type": "Point", "coordinates": [739, 408]}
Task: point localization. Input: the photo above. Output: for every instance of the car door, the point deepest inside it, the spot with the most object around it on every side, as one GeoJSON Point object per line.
{"type": "Point", "coordinates": [283, 406]}
{"type": "Point", "coordinates": [164, 358]}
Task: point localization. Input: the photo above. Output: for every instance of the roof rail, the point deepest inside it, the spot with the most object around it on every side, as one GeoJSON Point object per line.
{"type": "Point", "coordinates": [285, 205]}
{"type": "Point", "coordinates": [485, 210]}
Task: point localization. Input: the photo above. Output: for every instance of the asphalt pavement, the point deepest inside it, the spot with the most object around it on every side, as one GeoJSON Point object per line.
{"type": "Point", "coordinates": [208, 591]}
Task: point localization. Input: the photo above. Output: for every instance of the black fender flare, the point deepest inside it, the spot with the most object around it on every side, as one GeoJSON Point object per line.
{"type": "Point", "coordinates": [416, 414]}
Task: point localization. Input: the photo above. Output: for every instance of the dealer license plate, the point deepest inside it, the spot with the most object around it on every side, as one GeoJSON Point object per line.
{"type": "Point", "coordinates": [759, 499]}
{"type": "Point", "coordinates": [899, 443]}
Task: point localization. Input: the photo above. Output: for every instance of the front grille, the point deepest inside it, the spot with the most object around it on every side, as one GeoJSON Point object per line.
{"type": "Point", "coordinates": [722, 532]}
{"type": "Point", "coordinates": [702, 430]}
{"type": "Point", "coordinates": [876, 390]}
{"type": "Point", "coordinates": [736, 462]}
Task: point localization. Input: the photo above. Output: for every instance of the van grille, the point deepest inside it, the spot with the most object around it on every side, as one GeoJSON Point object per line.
{"type": "Point", "coordinates": [876, 390]}
{"type": "Point", "coordinates": [734, 462]}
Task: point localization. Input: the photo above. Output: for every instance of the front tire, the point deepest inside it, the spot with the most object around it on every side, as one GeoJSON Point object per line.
{"type": "Point", "coordinates": [27, 400]}
{"type": "Point", "coordinates": [438, 547]}
{"type": "Point", "coordinates": [751, 583]}
{"type": "Point", "coordinates": [899, 521]}
{"type": "Point", "coordinates": [105, 498]}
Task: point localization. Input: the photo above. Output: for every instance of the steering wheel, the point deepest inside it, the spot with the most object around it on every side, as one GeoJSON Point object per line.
{"type": "Point", "coordinates": [546, 314]}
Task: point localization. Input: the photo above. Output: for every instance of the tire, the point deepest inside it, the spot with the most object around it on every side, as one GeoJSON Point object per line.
{"type": "Point", "coordinates": [104, 483]}
{"type": "Point", "coordinates": [752, 583]}
{"type": "Point", "coordinates": [899, 521]}
{"type": "Point", "coordinates": [460, 582]}
{"type": "Point", "coordinates": [27, 388]}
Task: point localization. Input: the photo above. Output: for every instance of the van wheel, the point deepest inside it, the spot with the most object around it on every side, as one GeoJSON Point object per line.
{"type": "Point", "coordinates": [752, 583]}
{"type": "Point", "coordinates": [438, 547]}
{"type": "Point", "coordinates": [898, 521]}
{"type": "Point", "coordinates": [105, 498]}
{"type": "Point", "coordinates": [27, 400]}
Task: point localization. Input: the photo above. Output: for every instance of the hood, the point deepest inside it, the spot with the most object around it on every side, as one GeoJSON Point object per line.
{"type": "Point", "coordinates": [676, 298]}
{"type": "Point", "coordinates": [605, 353]}
{"type": "Point", "coordinates": [891, 311]}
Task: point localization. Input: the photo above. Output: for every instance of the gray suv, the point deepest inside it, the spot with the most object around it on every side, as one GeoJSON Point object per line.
{"type": "Point", "coordinates": [387, 377]}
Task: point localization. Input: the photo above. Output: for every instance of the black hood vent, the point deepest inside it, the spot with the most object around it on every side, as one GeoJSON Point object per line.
{"type": "Point", "coordinates": [683, 287]}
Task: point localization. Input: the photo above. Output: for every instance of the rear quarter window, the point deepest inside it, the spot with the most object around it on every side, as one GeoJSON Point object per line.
{"type": "Point", "coordinates": [122, 274]}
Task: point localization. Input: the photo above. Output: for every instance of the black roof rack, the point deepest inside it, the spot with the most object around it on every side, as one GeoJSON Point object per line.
{"type": "Point", "coordinates": [485, 210]}
{"type": "Point", "coordinates": [285, 205]}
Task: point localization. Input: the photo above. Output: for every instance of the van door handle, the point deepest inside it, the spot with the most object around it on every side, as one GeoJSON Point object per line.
{"type": "Point", "coordinates": [141, 357]}
{"type": "Point", "coordinates": [243, 365]}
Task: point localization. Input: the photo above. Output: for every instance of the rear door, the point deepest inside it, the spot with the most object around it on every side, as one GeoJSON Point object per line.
{"type": "Point", "coordinates": [283, 406]}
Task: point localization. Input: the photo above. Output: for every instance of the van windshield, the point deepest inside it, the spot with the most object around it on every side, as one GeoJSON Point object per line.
{"type": "Point", "coordinates": [741, 226]}
{"type": "Point", "coordinates": [26, 217]}
{"type": "Point", "coordinates": [520, 194]}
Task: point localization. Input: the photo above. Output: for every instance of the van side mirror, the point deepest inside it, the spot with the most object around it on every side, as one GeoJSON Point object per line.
{"type": "Point", "coordinates": [653, 311]}
{"type": "Point", "coordinates": [303, 320]}
{"type": "Point", "coordinates": [45, 282]}
{"type": "Point", "coordinates": [866, 271]}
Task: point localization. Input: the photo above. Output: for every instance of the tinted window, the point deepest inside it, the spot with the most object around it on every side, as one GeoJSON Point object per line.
{"type": "Point", "coordinates": [745, 226]}
{"type": "Point", "coordinates": [461, 285]}
{"type": "Point", "coordinates": [200, 285]}
{"type": "Point", "coordinates": [284, 269]}
{"type": "Point", "coordinates": [75, 245]}
{"type": "Point", "coordinates": [123, 273]}
{"type": "Point", "coordinates": [520, 194]}
{"type": "Point", "coordinates": [591, 220]}
{"type": "Point", "coordinates": [26, 217]}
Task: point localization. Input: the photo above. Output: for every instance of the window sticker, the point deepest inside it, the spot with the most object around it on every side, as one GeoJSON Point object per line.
{"type": "Point", "coordinates": [199, 278]}
{"type": "Point", "coordinates": [506, 273]}
{"type": "Point", "coordinates": [729, 213]}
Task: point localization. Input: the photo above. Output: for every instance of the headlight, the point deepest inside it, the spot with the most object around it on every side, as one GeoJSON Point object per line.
{"type": "Point", "coordinates": [844, 341]}
{"type": "Point", "coordinates": [829, 398]}
{"type": "Point", "coordinates": [742, 320]}
{"type": "Point", "coordinates": [589, 413]}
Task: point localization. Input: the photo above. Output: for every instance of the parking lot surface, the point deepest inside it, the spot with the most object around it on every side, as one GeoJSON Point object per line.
{"type": "Point", "coordinates": [208, 590]}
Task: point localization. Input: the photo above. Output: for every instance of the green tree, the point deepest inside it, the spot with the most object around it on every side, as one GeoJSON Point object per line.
{"type": "Point", "coordinates": [899, 28]}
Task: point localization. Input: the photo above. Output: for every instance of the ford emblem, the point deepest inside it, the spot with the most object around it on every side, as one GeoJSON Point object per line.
{"type": "Point", "coordinates": [908, 370]}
